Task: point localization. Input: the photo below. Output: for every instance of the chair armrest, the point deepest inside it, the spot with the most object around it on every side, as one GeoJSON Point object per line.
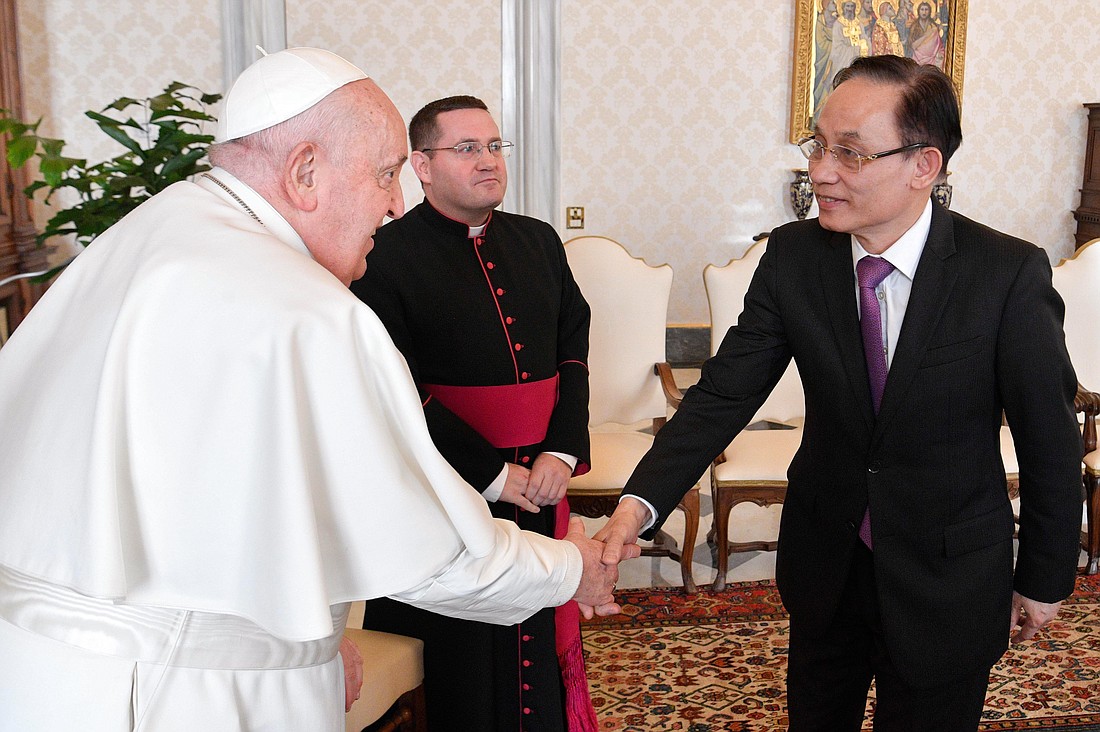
{"type": "Point", "coordinates": [1088, 402]}
{"type": "Point", "coordinates": [673, 395]}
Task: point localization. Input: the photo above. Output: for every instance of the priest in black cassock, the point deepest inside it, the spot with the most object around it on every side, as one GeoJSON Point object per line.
{"type": "Point", "coordinates": [484, 308]}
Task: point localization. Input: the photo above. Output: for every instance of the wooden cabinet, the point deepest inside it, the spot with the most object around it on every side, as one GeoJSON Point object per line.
{"type": "Point", "coordinates": [1088, 213]}
{"type": "Point", "coordinates": [18, 252]}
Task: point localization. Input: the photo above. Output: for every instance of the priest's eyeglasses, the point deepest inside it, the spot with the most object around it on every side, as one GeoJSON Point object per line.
{"type": "Point", "coordinates": [472, 150]}
{"type": "Point", "coordinates": [849, 159]}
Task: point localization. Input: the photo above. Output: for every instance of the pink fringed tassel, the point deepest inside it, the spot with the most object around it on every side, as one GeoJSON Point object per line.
{"type": "Point", "coordinates": [579, 712]}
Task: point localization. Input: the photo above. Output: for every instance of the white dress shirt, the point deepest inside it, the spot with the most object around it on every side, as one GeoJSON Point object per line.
{"type": "Point", "coordinates": [893, 292]}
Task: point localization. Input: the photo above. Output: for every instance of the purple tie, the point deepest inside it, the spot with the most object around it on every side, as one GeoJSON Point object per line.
{"type": "Point", "coordinates": [870, 271]}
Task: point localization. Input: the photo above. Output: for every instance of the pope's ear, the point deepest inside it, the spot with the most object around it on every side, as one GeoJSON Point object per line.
{"type": "Point", "coordinates": [929, 163]}
{"type": "Point", "coordinates": [422, 166]}
{"type": "Point", "coordinates": [300, 176]}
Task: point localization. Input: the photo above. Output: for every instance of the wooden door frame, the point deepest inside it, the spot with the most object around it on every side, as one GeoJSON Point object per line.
{"type": "Point", "coordinates": [18, 249]}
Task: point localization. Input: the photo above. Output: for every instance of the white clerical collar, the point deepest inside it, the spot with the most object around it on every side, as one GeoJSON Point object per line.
{"type": "Point", "coordinates": [476, 231]}
{"type": "Point", "coordinates": [905, 253]}
{"type": "Point", "coordinates": [250, 203]}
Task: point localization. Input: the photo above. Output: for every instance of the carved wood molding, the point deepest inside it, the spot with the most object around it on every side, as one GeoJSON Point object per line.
{"type": "Point", "coordinates": [18, 250]}
{"type": "Point", "coordinates": [11, 98]}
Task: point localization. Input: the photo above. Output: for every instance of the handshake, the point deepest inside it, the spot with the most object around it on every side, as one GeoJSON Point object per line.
{"type": "Point", "coordinates": [616, 541]}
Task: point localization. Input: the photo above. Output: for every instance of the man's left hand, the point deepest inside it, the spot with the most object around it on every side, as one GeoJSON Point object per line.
{"type": "Point", "coordinates": [1030, 615]}
{"type": "Point", "coordinates": [549, 479]}
{"type": "Point", "coordinates": [353, 671]}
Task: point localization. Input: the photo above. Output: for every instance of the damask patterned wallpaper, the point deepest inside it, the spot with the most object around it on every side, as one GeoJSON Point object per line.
{"type": "Point", "coordinates": [78, 55]}
{"type": "Point", "coordinates": [674, 112]}
{"type": "Point", "coordinates": [417, 52]}
{"type": "Point", "coordinates": [675, 124]}
{"type": "Point", "coordinates": [82, 54]}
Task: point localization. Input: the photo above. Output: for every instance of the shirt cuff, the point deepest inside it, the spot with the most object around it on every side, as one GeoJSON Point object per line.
{"type": "Point", "coordinates": [494, 490]}
{"type": "Point", "coordinates": [652, 512]}
{"type": "Point", "coordinates": [567, 459]}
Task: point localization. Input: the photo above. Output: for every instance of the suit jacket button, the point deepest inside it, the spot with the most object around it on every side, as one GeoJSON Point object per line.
{"type": "Point", "coordinates": [874, 467]}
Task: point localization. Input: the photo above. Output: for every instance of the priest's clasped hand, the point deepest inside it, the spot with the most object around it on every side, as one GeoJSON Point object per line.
{"type": "Point", "coordinates": [548, 480]}
{"type": "Point", "coordinates": [515, 488]}
{"type": "Point", "coordinates": [543, 485]}
{"type": "Point", "coordinates": [595, 592]}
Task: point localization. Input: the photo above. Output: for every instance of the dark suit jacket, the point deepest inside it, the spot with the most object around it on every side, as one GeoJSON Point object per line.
{"type": "Point", "coordinates": [982, 334]}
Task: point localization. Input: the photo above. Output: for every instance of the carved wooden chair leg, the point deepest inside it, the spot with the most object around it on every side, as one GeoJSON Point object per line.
{"type": "Point", "coordinates": [1092, 518]}
{"type": "Point", "coordinates": [408, 714]}
{"type": "Point", "coordinates": [723, 504]}
{"type": "Point", "coordinates": [690, 506]}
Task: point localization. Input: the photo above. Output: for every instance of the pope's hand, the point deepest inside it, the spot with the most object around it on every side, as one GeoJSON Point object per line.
{"type": "Point", "coordinates": [594, 594]}
{"type": "Point", "coordinates": [353, 671]}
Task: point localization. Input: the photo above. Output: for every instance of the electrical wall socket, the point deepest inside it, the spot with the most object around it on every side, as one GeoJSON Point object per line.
{"type": "Point", "coordinates": [574, 217]}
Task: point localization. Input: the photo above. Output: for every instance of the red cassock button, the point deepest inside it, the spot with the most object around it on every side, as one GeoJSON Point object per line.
{"type": "Point", "coordinates": [527, 687]}
{"type": "Point", "coordinates": [490, 265]}
{"type": "Point", "coordinates": [519, 346]}
{"type": "Point", "coordinates": [500, 291]}
{"type": "Point", "coordinates": [526, 637]}
{"type": "Point", "coordinates": [509, 320]}
{"type": "Point", "coordinates": [527, 710]}
{"type": "Point", "coordinates": [525, 459]}
{"type": "Point", "coordinates": [526, 664]}
{"type": "Point", "coordinates": [524, 375]}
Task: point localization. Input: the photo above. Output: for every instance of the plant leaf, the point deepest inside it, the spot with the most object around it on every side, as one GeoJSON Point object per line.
{"type": "Point", "coordinates": [181, 114]}
{"type": "Point", "coordinates": [181, 161]}
{"type": "Point", "coordinates": [21, 149]}
{"type": "Point", "coordinates": [166, 149]}
{"type": "Point", "coordinates": [29, 190]}
{"type": "Point", "coordinates": [121, 138]}
{"type": "Point", "coordinates": [52, 167]}
{"type": "Point", "coordinates": [121, 103]}
{"type": "Point", "coordinates": [51, 146]}
{"type": "Point", "coordinates": [102, 119]}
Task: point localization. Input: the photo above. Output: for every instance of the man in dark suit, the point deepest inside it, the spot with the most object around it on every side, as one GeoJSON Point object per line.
{"type": "Point", "coordinates": [895, 556]}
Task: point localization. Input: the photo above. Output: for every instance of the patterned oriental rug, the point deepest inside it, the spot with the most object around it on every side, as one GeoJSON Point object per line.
{"type": "Point", "coordinates": [717, 661]}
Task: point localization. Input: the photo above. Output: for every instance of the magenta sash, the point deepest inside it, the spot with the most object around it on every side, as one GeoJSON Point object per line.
{"type": "Point", "coordinates": [510, 415]}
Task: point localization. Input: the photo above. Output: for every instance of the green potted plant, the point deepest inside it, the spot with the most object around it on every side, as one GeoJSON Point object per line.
{"type": "Point", "coordinates": [164, 143]}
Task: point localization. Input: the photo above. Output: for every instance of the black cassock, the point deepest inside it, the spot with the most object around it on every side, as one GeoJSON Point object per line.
{"type": "Point", "coordinates": [494, 328]}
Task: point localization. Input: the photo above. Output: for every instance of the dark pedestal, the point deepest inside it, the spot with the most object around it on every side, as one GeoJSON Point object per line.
{"type": "Point", "coordinates": [1088, 213]}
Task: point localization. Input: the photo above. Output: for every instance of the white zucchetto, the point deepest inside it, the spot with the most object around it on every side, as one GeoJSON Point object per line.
{"type": "Point", "coordinates": [279, 86]}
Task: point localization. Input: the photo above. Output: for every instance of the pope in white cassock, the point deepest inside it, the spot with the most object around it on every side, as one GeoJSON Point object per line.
{"type": "Point", "coordinates": [187, 419]}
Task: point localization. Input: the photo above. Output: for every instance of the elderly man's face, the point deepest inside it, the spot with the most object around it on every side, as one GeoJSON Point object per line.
{"type": "Point", "coordinates": [877, 204]}
{"type": "Point", "coordinates": [849, 10]}
{"type": "Point", "coordinates": [466, 190]}
{"type": "Point", "coordinates": [359, 194]}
